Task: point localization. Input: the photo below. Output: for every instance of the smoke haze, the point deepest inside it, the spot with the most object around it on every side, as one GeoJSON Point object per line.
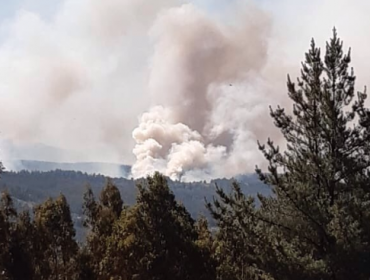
{"type": "Point", "coordinates": [198, 70]}
{"type": "Point", "coordinates": [174, 86]}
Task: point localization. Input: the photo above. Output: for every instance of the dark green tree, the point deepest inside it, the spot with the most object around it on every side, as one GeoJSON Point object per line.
{"type": "Point", "coordinates": [16, 232]}
{"type": "Point", "coordinates": [242, 241]}
{"type": "Point", "coordinates": [110, 197]}
{"type": "Point", "coordinates": [55, 243]}
{"type": "Point", "coordinates": [206, 247]}
{"type": "Point", "coordinates": [7, 216]}
{"type": "Point", "coordinates": [22, 248]}
{"type": "Point", "coordinates": [156, 238]}
{"type": "Point", "coordinates": [315, 226]}
{"type": "Point", "coordinates": [84, 268]}
{"type": "Point", "coordinates": [100, 217]}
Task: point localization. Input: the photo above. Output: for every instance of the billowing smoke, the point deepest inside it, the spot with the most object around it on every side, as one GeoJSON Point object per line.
{"type": "Point", "coordinates": [179, 86]}
{"type": "Point", "coordinates": [203, 84]}
{"type": "Point", "coordinates": [76, 79]}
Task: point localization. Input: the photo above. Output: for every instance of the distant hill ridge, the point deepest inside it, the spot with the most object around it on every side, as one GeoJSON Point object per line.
{"type": "Point", "coordinates": [107, 169]}
{"type": "Point", "coordinates": [32, 187]}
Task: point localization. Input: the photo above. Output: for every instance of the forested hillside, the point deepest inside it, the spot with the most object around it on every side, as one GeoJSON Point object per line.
{"type": "Point", "coordinates": [31, 188]}
{"type": "Point", "coordinates": [108, 169]}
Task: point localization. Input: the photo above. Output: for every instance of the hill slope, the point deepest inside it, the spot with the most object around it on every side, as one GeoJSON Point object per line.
{"type": "Point", "coordinates": [32, 187]}
{"type": "Point", "coordinates": [108, 169]}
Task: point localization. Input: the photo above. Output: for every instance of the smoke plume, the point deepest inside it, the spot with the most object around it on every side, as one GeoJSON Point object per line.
{"type": "Point", "coordinates": [202, 84]}
{"type": "Point", "coordinates": [77, 79]}
{"type": "Point", "coordinates": [178, 86]}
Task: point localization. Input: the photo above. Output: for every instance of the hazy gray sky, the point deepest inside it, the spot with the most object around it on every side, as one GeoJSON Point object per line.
{"type": "Point", "coordinates": [80, 74]}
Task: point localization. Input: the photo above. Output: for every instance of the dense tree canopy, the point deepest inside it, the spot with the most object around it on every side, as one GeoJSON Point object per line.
{"type": "Point", "coordinates": [316, 225]}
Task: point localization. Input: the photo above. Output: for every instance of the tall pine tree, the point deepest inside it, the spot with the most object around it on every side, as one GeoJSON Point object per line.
{"type": "Point", "coordinates": [315, 226]}
{"type": "Point", "coordinates": [156, 239]}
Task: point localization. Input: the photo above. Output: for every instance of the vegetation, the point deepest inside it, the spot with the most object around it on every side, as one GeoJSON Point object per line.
{"type": "Point", "coordinates": [29, 189]}
{"type": "Point", "coordinates": [315, 225]}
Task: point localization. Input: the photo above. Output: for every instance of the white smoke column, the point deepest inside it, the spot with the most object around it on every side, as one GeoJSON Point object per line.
{"type": "Point", "coordinates": [156, 136]}
{"type": "Point", "coordinates": [197, 74]}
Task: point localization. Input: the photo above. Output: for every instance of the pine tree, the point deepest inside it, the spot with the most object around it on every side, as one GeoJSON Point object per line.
{"type": "Point", "coordinates": [16, 232]}
{"type": "Point", "coordinates": [155, 239]}
{"type": "Point", "coordinates": [315, 226]}
{"type": "Point", "coordinates": [7, 216]}
{"type": "Point", "coordinates": [110, 197]}
{"type": "Point", "coordinates": [241, 241]}
{"type": "Point", "coordinates": [55, 243]}
{"type": "Point", "coordinates": [22, 248]}
{"type": "Point", "coordinates": [84, 267]}
{"type": "Point", "coordinates": [205, 245]}
{"type": "Point", "coordinates": [100, 217]}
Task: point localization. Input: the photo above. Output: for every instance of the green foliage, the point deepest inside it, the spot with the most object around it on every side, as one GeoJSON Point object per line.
{"type": "Point", "coordinates": [55, 239]}
{"type": "Point", "coordinates": [31, 188]}
{"type": "Point", "coordinates": [155, 239]}
{"type": "Point", "coordinates": [42, 248]}
{"type": "Point", "coordinates": [315, 226]}
{"type": "Point", "coordinates": [100, 218]}
{"type": "Point", "coordinates": [205, 244]}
